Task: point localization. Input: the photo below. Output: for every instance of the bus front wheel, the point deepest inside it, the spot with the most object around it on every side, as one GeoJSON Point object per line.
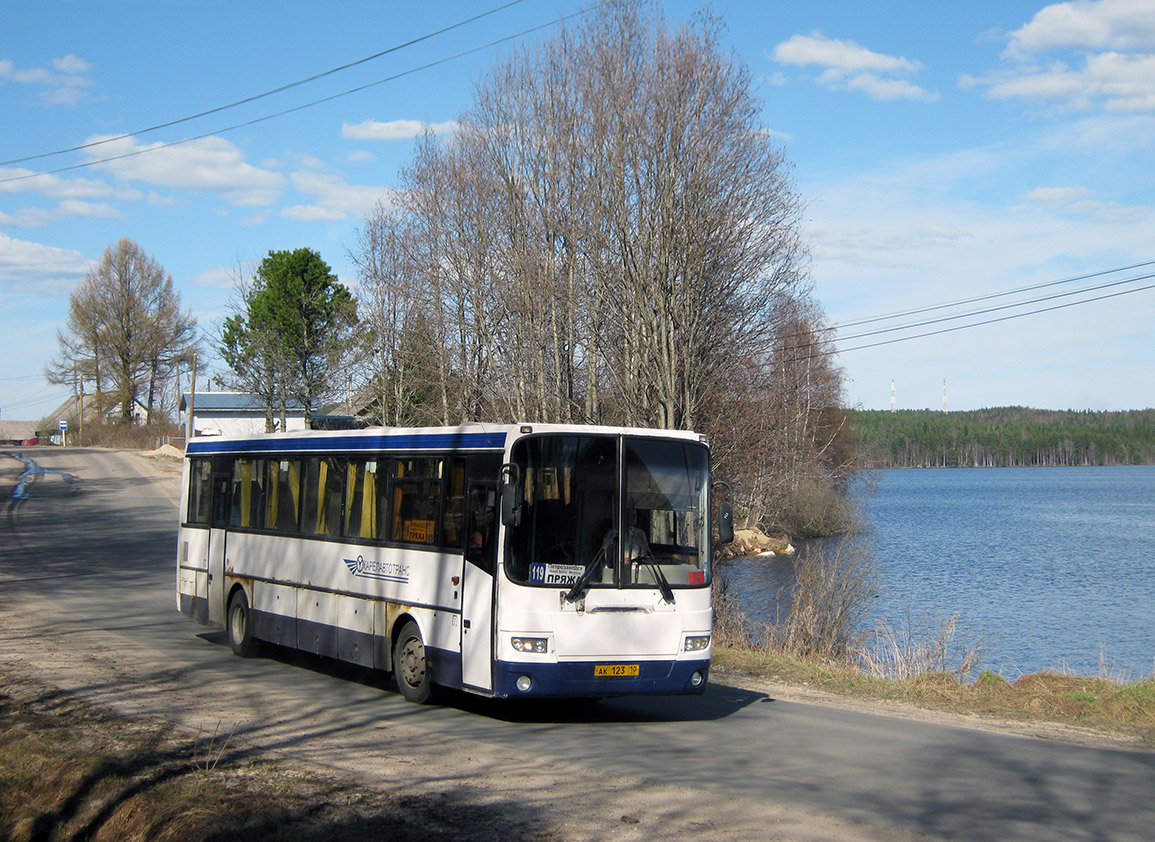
{"type": "Point", "coordinates": [410, 666]}
{"type": "Point", "coordinates": [239, 625]}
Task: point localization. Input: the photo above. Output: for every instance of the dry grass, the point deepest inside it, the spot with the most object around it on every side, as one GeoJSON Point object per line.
{"type": "Point", "coordinates": [930, 643]}
{"type": "Point", "coordinates": [1095, 704]}
{"type": "Point", "coordinates": [69, 771]}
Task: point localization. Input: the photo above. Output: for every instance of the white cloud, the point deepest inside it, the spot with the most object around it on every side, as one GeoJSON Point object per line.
{"type": "Point", "coordinates": [68, 209]}
{"type": "Point", "coordinates": [30, 265]}
{"type": "Point", "coordinates": [887, 89]}
{"type": "Point", "coordinates": [71, 65]}
{"type": "Point", "coordinates": [1108, 24]}
{"type": "Point", "coordinates": [222, 277]}
{"type": "Point", "coordinates": [850, 66]}
{"type": "Point", "coordinates": [844, 57]}
{"type": "Point", "coordinates": [334, 198]}
{"type": "Point", "coordinates": [1057, 195]}
{"type": "Point", "coordinates": [313, 213]}
{"type": "Point", "coordinates": [1079, 201]}
{"type": "Point", "coordinates": [1113, 81]}
{"type": "Point", "coordinates": [64, 84]}
{"type": "Point", "coordinates": [19, 180]}
{"type": "Point", "coordinates": [394, 130]}
{"type": "Point", "coordinates": [209, 165]}
{"type": "Point", "coordinates": [1105, 58]}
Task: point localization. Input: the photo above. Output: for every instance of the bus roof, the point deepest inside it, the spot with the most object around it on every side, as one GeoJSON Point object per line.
{"type": "Point", "coordinates": [475, 437]}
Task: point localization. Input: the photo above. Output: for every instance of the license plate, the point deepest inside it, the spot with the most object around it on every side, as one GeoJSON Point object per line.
{"type": "Point", "coordinates": [615, 670]}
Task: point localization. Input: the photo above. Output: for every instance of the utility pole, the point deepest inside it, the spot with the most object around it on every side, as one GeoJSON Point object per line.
{"type": "Point", "coordinates": [192, 392]}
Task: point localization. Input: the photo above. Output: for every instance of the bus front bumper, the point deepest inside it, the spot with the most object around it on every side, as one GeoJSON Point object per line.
{"type": "Point", "coordinates": [575, 679]}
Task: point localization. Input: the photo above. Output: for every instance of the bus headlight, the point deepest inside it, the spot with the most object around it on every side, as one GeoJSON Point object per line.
{"type": "Point", "coordinates": [536, 645]}
{"type": "Point", "coordinates": [696, 643]}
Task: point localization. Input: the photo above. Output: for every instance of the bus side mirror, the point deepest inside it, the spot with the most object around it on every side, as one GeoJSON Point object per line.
{"type": "Point", "coordinates": [725, 523]}
{"type": "Point", "coordinates": [510, 495]}
{"type": "Point", "coordinates": [510, 505]}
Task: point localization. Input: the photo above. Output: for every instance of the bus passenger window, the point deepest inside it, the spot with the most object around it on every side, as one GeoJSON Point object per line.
{"type": "Point", "coordinates": [200, 490]}
{"type": "Point", "coordinates": [416, 500]}
{"type": "Point", "coordinates": [283, 498]}
{"type": "Point", "coordinates": [454, 505]}
{"type": "Point", "coordinates": [248, 493]}
{"type": "Point", "coordinates": [324, 483]}
{"type": "Point", "coordinates": [361, 500]}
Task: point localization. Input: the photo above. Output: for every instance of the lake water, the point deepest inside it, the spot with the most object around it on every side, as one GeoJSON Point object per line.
{"type": "Point", "coordinates": [1057, 565]}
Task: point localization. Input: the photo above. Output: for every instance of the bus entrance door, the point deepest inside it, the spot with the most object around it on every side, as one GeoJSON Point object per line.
{"type": "Point", "coordinates": [218, 524]}
{"type": "Point", "coordinates": [477, 586]}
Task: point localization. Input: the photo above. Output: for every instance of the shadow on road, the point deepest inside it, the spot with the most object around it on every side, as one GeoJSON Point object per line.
{"type": "Point", "coordinates": [718, 702]}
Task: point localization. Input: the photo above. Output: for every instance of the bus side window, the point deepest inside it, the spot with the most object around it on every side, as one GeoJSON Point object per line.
{"type": "Point", "coordinates": [248, 493]}
{"type": "Point", "coordinates": [416, 500]}
{"type": "Point", "coordinates": [200, 491]}
{"type": "Point", "coordinates": [361, 499]}
{"type": "Point", "coordinates": [482, 525]}
{"type": "Point", "coordinates": [324, 483]}
{"type": "Point", "coordinates": [283, 495]}
{"type": "Point", "coordinates": [221, 485]}
{"type": "Point", "coordinates": [451, 526]}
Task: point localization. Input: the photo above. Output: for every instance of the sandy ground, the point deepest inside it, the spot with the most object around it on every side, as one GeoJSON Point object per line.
{"type": "Point", "coordinates": [566, 802]}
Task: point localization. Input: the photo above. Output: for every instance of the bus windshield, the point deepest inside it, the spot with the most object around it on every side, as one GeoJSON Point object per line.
{"type": "Point", "coordinates": [581, 494]}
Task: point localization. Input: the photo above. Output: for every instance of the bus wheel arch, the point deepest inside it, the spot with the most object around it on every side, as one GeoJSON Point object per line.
{"type": "Point", "coordinates": [239, 623]}
{"type": "Point", "coordinates": [411, 663]}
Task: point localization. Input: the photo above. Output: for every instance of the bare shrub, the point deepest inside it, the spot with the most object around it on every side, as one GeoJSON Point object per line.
{"type": "Point", "coordinates": [815, 508]}
{"type": "Point", "coordinates": [831, 596]}
{"type": "Point", "coordinates": [917, 645]}
{"type": "Point", "coordinates": [123, 436]}
{"type": "Point", "coordinates": [731, 626]}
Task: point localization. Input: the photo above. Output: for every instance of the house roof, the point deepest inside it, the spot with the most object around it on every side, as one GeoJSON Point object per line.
{"type": "Point", "coordinates": [232, 402]}
{"type": "Point", "coordinates": [16, 430]}
{"type": "Point", "coordinates": [91, 403]}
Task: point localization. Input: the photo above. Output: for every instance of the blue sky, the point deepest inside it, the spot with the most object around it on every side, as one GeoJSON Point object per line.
{"type": "Point", "coordinates": [945, 153]}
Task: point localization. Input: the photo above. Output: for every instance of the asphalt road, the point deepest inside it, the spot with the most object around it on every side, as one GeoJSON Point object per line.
{"type": "Point", "coordinates": [101, 551]}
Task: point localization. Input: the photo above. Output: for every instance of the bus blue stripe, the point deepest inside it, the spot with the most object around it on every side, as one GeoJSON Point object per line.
{"type": "Point", "coordinates": [304, 444]}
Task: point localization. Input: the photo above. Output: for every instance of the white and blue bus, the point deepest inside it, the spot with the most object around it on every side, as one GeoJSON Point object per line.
{"type": "Point", "coordinates": [508, 561]}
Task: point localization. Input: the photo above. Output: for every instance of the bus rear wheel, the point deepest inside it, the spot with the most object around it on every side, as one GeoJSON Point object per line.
{"type": "Point", "coordinates": [239, 626]}
{"type": "Point", "coordinates": [410, 666]}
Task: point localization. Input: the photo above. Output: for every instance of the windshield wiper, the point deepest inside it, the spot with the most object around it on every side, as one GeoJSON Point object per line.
{"type": "Point", "coordinates": [582, 584]}
{"type": "Point", "coordinates": [663, 583]}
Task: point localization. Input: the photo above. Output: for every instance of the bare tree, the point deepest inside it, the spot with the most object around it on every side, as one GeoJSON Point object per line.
{"type": "Point", "coordinates": [612, 236]}
{"type": "Point", "coordinates": [126, 332]}
{"type": "Point", "coordinates": [401, 355]}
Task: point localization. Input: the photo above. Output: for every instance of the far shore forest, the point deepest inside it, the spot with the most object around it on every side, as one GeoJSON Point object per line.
{"type": "Point", "coordinates": [1003, 437]}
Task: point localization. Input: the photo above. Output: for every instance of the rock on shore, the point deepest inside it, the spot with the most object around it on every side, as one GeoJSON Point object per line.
{"type": "Point", "coordinates": [753, 542]}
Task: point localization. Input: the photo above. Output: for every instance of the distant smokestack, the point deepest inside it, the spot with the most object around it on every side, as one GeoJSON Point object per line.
{"type": "Point", "coordinates": [893, 403]}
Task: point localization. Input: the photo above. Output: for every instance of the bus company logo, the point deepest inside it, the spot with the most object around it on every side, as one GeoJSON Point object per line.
{"type": "Point", "coordinates": [386, 571]}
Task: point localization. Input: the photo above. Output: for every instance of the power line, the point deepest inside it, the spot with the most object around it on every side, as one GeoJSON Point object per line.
{"type": "Point", "coordinates": [990, 296]}
{"type": "Point", "coordinates": [322, 100]}
{"type": "Point", "coordinates": [269, 93]}
{"type": "Point", "coordinates": [985, 310]}
{"type": "Point", "coordinates": [1000, 319]}
{"type": "Point", "coordinates": [810, 349]}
